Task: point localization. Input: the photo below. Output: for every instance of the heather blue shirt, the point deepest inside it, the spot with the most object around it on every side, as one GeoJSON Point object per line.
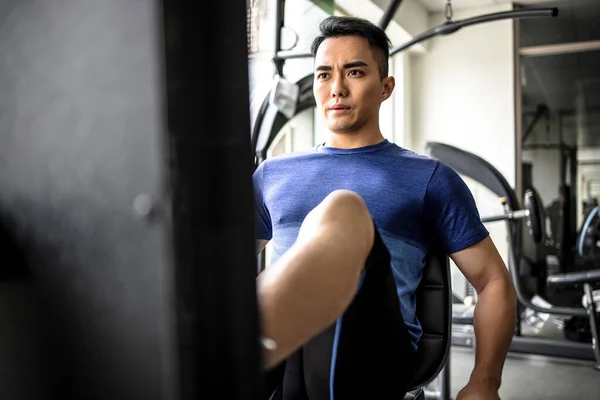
{"type": "Point", "coordinates": [415, 202]}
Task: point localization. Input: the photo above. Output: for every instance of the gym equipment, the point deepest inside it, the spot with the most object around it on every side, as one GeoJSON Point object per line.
{"type": "Point", "coordinates": [463, 312]}
{"type": "Point", "coordinates": [447, 28]}
{"type": "Point", "coordinates": [589, 236]}
{"type": "Point", "coordinates": [151, 298]}
{"type": "Point", "coordinates": [450, 26]}
{"type": "Point", "coordinates": [434, 312]}
{"type": "Point", "coordinates": [271, 116]}
{"type": "Point", "coordinates": [531, 213]}
{"type": "Point", "coordinates": [476, 168]}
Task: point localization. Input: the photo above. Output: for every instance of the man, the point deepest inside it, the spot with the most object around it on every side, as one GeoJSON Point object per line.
{"type": "Point", "coordinates": [351, 223]}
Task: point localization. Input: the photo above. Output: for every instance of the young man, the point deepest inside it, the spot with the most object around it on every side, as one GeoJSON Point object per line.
{"type": "Point", "coordinates": [351, 223]}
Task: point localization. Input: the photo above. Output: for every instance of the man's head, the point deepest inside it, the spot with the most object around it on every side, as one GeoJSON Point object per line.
{"type": "Point", "coordinates": [351, 73]}
{"type": "Point", "coordinates": [335, 27]}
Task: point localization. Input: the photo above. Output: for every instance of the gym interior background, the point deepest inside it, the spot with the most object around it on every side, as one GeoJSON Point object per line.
{"type": "Point", "coordinates": [520, 94]}
{"type": "Point", "coordinates": [105, 293]}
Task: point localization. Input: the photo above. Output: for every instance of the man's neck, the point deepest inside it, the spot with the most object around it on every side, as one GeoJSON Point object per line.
{"type": "Point", "coordinates": [352, 140]}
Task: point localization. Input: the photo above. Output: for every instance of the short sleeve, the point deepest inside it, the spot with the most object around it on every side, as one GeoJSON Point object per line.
{"type": "Point", "coordinates": [451, 212]}
{"type": "Point", "coordinates": [262, 217]}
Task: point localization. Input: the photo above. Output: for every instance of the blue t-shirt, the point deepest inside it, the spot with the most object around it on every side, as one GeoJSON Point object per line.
{"type": "Point", "coordinates": [415, 202]}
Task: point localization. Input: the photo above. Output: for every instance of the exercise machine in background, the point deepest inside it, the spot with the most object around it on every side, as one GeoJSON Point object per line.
{"type": "Point", "coordinates": [476, 168]}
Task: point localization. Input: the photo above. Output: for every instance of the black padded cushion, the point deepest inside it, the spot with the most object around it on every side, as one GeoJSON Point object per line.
{"type": "Point", "coordinates": [434, 311]}
{"type": "Point", "coordinates": [537, 215]}
{"type": "Point", "coordinates": [575, 277]}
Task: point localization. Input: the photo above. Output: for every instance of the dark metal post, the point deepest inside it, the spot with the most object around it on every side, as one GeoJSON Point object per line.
{"type": "Point", "coordinates": [388, 15]}
{"type": "Point", "coordinates": [279, 24]}
{"type": "Point", "coordinates": [135, 214]}
{"type": "Point", "coordinates": [213, 205]}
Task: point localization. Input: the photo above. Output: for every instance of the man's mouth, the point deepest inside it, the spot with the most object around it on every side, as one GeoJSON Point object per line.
{"type": "Point", "coordinates": [340, 108]}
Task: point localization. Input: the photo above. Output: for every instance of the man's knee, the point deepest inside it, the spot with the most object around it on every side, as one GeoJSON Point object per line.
{"type": "Point", "coordinates": [345, 206]}
{"type": "Point", "coordinates": [345, 211]}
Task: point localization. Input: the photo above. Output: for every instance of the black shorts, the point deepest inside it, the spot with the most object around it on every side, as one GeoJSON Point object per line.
{"type": "Point", "coordinates": [374, 357]}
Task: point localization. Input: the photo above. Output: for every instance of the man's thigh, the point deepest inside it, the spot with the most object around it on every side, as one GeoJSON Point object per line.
{"type": "Point", "coordinates": [367, 353]}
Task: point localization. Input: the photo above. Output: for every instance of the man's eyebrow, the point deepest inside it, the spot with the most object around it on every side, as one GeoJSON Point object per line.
{"type": "Point", "coordinates": [352, 64]}
{"type": "Point", "coordinates": [355, 64]}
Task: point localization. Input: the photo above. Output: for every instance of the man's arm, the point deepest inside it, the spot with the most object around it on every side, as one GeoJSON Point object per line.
{"type": "Point", "coordinates": [495, 314]}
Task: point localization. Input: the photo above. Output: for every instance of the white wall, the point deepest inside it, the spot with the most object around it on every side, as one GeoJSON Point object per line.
{"type": "Point", "coordinates": [462, 91]}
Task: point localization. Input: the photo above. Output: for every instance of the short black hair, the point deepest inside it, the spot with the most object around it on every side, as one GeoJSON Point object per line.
{"type": "Point", "coordinates": [335, 26]}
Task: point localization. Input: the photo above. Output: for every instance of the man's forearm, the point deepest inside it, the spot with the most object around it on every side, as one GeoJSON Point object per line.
{"type": "Point", "coordinates": [494, 323]}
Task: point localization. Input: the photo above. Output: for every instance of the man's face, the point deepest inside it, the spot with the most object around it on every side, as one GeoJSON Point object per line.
{"type": "Point", "coordinates": [348, 88]}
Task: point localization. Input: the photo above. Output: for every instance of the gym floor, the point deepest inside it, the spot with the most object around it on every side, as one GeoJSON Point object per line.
{"type": "Point", "coordinates": [533, 377]}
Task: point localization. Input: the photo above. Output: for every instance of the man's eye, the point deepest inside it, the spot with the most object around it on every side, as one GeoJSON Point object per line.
{"type": "Point", "coordinates": [355, 72]}
{"type": "Point", "coordinates": [322, 75]}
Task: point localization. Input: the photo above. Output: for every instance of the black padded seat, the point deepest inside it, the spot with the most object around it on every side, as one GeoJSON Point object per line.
{"type": "Point", "coordinates": [434, 311]}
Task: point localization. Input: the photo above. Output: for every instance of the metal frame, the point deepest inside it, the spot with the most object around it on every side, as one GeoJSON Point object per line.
{"type": "Point", "coordinates": [281, 56]}
{"type": "Point", "coordinates": [562, 348]}
{"type": "Point", "coordinates": [218, 324]}
{"type": "Point", "coordinates": [518, 110]}
{"type": "Point", "coordinates": [389, 14]}
{"type": "Point", "coordinates": [480, 170]}
{"type": "Point", "coordinates": [548, 347]}
{"type": "Point", "coordinates": [454, 26]}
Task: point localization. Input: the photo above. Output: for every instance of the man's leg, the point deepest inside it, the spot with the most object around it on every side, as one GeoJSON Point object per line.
{"type": "Point", "coordinates": [314, 282]}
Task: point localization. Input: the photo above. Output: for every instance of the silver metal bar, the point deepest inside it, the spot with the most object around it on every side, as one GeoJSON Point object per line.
{"type": "Point", "coordinates": [561, 48]}
{"type": "Point", "coordinates": [518, 89]}
{"type": "Point", "coordinates": [591, 309]}
{"type": "Point", "coordinates": [519, 214]}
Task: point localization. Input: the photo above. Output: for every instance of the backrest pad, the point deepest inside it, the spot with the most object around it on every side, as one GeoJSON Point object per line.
{"type": "Point", "coordinates": [434, 311]}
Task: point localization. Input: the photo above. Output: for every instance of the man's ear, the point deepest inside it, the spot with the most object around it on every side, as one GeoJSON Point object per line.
{"type": "Point", "coordinates": [389, 84]}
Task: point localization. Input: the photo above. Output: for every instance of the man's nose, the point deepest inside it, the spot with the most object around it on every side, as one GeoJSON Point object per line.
{"type": "Point", "coordinates": [338, 87]}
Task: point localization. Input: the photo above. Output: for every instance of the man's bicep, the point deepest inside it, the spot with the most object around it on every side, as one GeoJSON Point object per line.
{"type": "Point", "coordinates": [260, 245]}
{"type": "Point", "coordinates": [480, 263]}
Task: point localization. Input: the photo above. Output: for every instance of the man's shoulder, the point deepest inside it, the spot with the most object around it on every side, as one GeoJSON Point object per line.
{"type": "Point", "coordinates": [410, 164]}
{"type": "Point", "coordinates": [408, 155]}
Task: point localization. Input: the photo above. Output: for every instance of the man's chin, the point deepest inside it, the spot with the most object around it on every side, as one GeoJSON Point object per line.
{"type": "Point", "coordinates": [341, 129]}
